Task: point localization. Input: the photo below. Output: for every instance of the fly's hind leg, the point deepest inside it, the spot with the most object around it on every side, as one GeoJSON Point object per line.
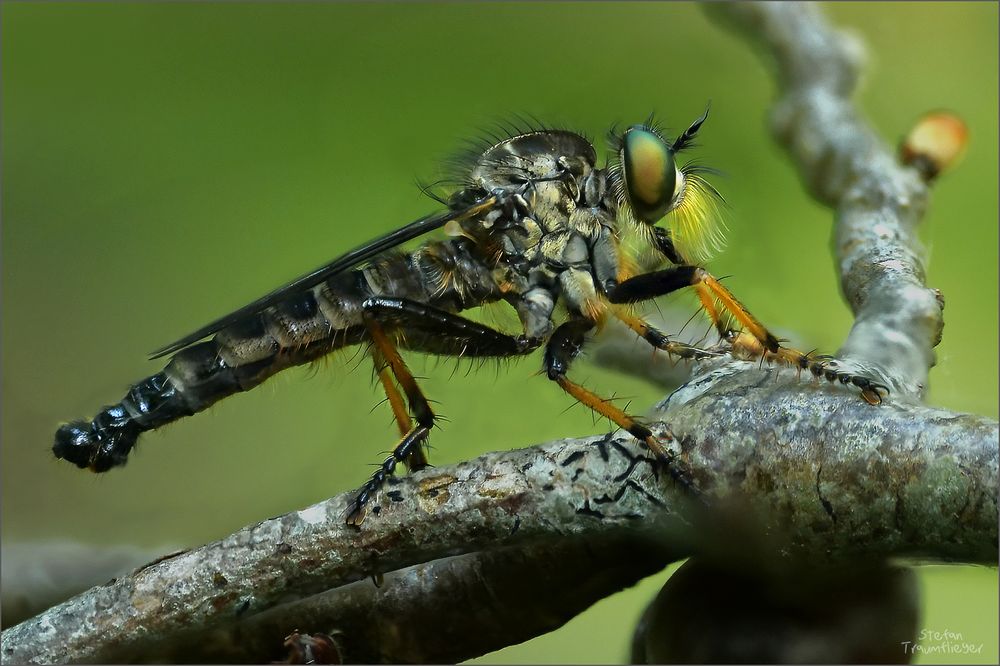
{"type": "Point", "coordinates": [564, 345]}
{"type": "Point", "coordinates": [410, 447]}
{"type": "Point", "coordinates": [417, 459]}
{"type": "Point", "coordinates": [430, 330]}
{"type": "Point", "coordinates": [410, 442]}
{"type": "Point", "coordinates": [751, 338]}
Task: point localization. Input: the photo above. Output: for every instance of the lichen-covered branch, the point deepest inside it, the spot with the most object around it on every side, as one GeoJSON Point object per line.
{"type": "Point", "coordinates": [896, 475]}
{"type": "Point", "coordinates": [822, 479]}
{"type": "Point", "coordinates": [504, 499]}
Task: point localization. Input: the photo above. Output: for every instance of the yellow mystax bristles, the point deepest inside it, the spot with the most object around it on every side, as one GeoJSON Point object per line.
{"type": "Point", "coordinates": [937, 142]}
{"type": "Point", "coordinates": [697, 224]}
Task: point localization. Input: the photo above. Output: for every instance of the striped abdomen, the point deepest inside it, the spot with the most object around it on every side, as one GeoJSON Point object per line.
{"type": "Point", "coordinates": [296, 331]}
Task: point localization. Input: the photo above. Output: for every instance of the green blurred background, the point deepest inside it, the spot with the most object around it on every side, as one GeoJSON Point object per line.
{"type": "Point", "coordinates": [165, 163]}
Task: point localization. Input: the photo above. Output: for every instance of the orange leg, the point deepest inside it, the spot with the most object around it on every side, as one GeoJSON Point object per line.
{"type": "Point", "coordinates": [433, 330]}
{"type": "Point", "coordinates": [749, 338]}
{"type": "Point", "coordinates": [410, 448]}
{"type": "Point", "coordinates": [819, 365]}
{"type": "Point", "coordinates": [710, 292]}
{"type": "Point", "coordinates": [562, 348]}
{"type": "Point", "coordinates": [658, 339]}
{"type": "Point", "coordinates": [709, 289]}
{"type": "Point", "coordinates": [606, 409]}
{"type": "Point", "coordinates": [418, 458]}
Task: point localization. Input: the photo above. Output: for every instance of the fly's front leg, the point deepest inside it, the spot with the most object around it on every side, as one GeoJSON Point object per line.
{"type": "Point", "coordinates": [752, 338]}
{"type": "Point", "coordinates": [820, 366]}
{"type": "Point", "coordinates": [660, 283]}
{"type": "Point", "coordinates": [430, 330]}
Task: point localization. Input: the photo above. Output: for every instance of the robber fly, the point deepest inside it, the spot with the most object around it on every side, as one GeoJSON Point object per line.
{"type": "Point", "coordinates": [534, 222]}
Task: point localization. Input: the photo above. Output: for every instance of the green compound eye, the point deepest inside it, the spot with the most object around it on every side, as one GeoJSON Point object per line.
{"type": "Point", "coordinates": [650, 175]}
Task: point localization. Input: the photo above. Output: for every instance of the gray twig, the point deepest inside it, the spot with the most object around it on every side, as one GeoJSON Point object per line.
{"type": "Point", "coordinates": [437, 612]}
{"type": "Point", "coordinates": [844, 164]}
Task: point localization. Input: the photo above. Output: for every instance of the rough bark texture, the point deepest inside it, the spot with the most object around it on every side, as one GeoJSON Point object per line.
{"type": "Point", "coordinates": [816, 479]}
{"type": "Point", "coordinates": [441, 611]}
{"type": "Point", "coordinates": [788, 474]}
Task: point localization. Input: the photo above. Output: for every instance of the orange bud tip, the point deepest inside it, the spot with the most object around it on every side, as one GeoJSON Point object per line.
{"type": "Point", "coordinates": [936, 143]}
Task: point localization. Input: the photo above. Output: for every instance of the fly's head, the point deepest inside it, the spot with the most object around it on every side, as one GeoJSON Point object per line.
{"type": "Point", "coordinates": [650, 185]}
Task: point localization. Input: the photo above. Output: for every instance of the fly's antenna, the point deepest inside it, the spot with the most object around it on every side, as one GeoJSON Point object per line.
{"type": "Point", "coordinates": [686, 139]}
{"type": "Point", "coordinates": [700, 228]}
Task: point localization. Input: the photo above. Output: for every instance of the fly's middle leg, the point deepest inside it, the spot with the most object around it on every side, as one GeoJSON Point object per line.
{"type": "Point", "coordinates": [427, 329]}
{"type": "Point", "coordinates": [564, 345]}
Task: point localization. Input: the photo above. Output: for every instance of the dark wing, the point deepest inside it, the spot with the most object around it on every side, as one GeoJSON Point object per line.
{"type": "Point", "coordinates": [339, 265]}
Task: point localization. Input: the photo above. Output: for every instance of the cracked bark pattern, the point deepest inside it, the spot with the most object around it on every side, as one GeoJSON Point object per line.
{"type": "Point", "coordinates": [511, 499]}
{"type": "Point", "coordinates": [898, 475]}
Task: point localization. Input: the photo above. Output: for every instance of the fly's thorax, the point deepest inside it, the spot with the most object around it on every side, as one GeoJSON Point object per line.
{"type": "Point", "coordinates": [553, 216]}
{"type": "Point", "coordinates": [534, 156]}
{"type": "Point", "coordinates": [564, 249]}
{"type": "Point", "coordinates": [553, 205]}
{"type": "Point", "coordinates": [554, 227]}
{"type": "Point", "coordinates": [545, 167]}
{"type": "Point", "coordinates": [584, 243]}
{"type": "Point", "coordinates": [521, 239]}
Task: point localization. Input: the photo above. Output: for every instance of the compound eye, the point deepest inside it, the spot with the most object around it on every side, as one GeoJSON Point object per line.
{"type": "Point", "coordinates": [650, 175]}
